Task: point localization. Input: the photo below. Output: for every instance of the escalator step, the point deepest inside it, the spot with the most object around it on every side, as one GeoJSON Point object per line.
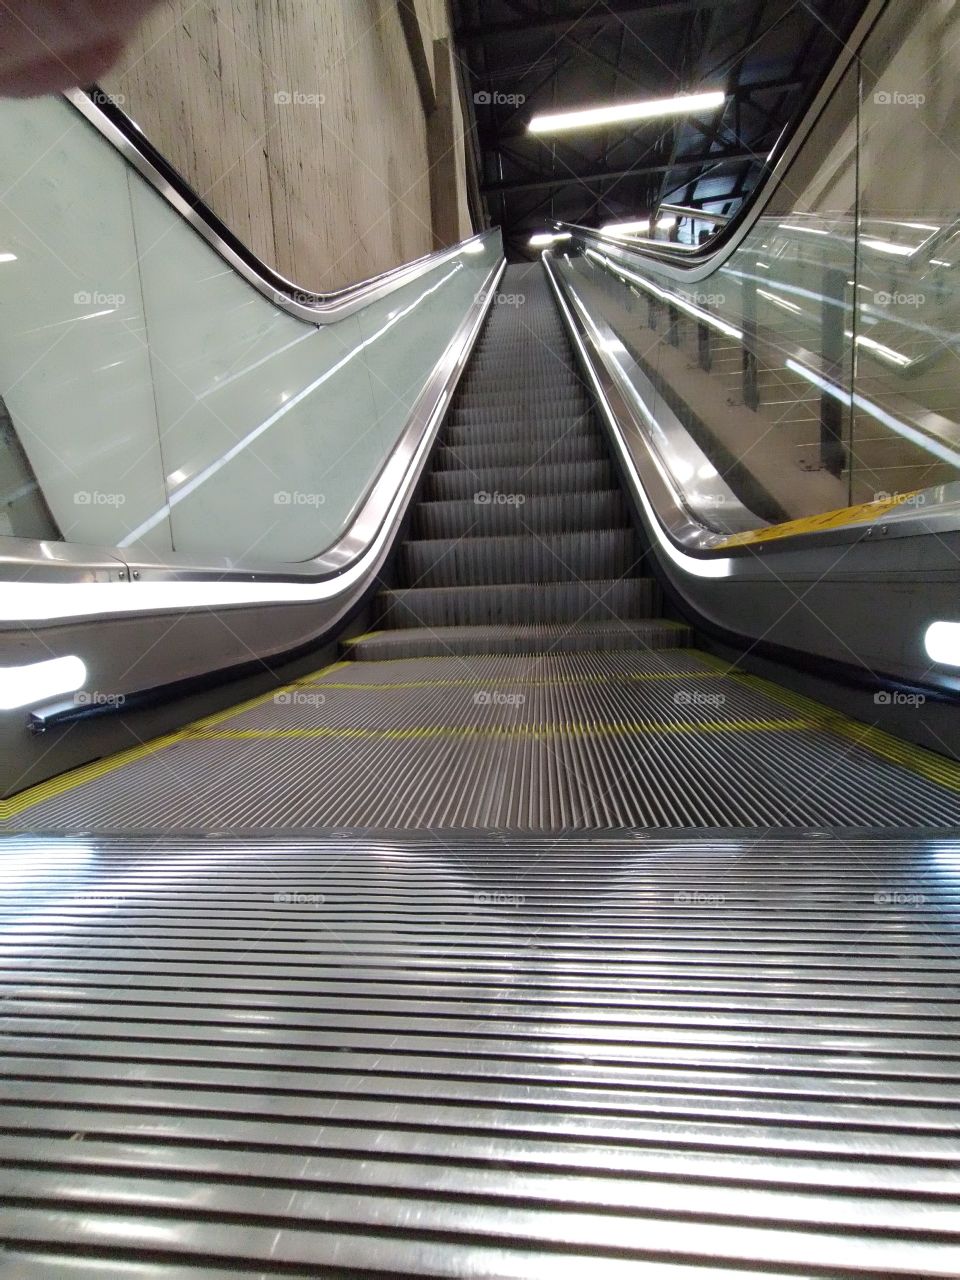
{"type": "Point", "coordinates": [558, 418]}
{"type": "Point", "coordinates": [603, 553]}
{"type": "Point", "coordinates": [509, 431]}
{"type": "Point", "coordinates": [521, 453]}
{"type": "Point", "coordinates": [581, 637]}
{"type": "Point", "coordinates": [570, 477]}
{"type": "Point", "coordinates": [517, 603]}
{"type": "Point", "coordinates": [547, 513]}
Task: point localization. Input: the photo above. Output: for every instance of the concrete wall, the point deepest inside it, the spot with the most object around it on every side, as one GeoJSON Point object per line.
{"type": "Point", "coordinates": [333, 184]}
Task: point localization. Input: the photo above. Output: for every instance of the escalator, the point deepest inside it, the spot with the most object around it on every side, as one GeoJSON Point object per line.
{"type": "Point", "coordinates": [479, 831]}
{"type": "Point", "coordinates": [520, 673]}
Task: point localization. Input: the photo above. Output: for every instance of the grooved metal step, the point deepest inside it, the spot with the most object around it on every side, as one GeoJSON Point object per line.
{"type": "Point", "coordinates": [523, 452]}
{"type": "Point", "coordinates": [570, 477]}
{"type": "Point", "coordinates": [606, 600]}
{"type": "Point", "coordinates": [506, 431]}
{"type": "Point", "coordinates": [607, 553]}
{"type": "Point", "coordinates": [544, 513]}
{"type": "Point", "coordinates": [591, 638]}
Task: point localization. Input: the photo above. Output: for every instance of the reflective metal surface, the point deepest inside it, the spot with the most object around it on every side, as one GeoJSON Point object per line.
{"type": "Point", "coordinates": [714, 1055]}
{"type": "Point", "coordinates": [319, 308]}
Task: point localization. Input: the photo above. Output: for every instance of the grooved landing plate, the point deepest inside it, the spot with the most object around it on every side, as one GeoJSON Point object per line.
{"type": "Point", "coordinates": [471, 1055]}
{"type": "Point", "coordinates": [659, 739]}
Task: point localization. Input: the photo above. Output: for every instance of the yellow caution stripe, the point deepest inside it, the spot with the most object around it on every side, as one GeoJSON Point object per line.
{"type": "Point", "coordinates": [74, 778]}
{"type": "Point", "coordinates": [838, 519]}
{"type": "Point", "coordinates": [573, 729]}
{"type": "Point", "coordinates": [927, 764]}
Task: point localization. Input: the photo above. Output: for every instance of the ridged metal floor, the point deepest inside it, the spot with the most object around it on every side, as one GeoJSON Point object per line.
{"type": "Point", "coordinates": [451, 1055]}
{"type": "Point", "coordinates": [518, 742]}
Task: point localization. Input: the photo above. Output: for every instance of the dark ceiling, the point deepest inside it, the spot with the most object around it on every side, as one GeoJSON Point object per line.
{"type": "Point", "coordinates": [521, 57]}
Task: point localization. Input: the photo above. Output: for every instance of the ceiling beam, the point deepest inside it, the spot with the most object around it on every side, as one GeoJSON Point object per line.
{"type": "Point", "coordinates": [598, 14]}
{"type": "Point", "coordinates": [603, 175]}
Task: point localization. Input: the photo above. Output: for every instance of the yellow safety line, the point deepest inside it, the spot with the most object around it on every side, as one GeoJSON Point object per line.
{"type": "Point", "coordinates": [507, 731]}
{"type": "Point", "coordinates": [927, 764]}
{"type": "Point", "coordinates": [69, 781]}
{"type": "Point", "coordinates": [837, 519]}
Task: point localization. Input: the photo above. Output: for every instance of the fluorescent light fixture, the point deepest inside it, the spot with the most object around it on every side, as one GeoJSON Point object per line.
{"type": "Point", "coordinates": [21, 686]}
{"type": "Point", "coordinates": [622, 112]}
{"type": "Point", "coordinates": [942, 643]}
{"type": "Point", "coordinates": [8, 257]}
{"type": "Point", "coordinates": [547, 237]}
{"type": "Point", "coordinates": [887, 246]}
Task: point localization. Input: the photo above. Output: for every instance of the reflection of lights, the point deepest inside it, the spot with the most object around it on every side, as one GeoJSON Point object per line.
{"type": "Point", "coordinates": [939, 262]}
{"type": "Point", "coordinates": [69, 856]}
{"type": "Point", "coordinates": [885, 353]}
{"type": "Point", "coordinates": [706, 567]}
{"type": "Point", "coordinates": [95, 315]}
{"type": "Point", "coordinates": [681, 303]}
{"type": "Point", "coordinates": [612, 345]}
{"type": "Point", "coordinates": [942, 642]}
{"type": "Point", "coordinates": [875, 411]}
{"type": "Point", "coordinates": [707, 472]}
{"type": "Point", "coordinates": [543, 238]}
{"type": "Point", "coordinates": [917, 226]}
{"type": "Point", "coordinates": [21, 686]}
{"type": "Point", "coordinates": [177, 477]}
{"type": "Point", "coordinates": [475, 246]}
{"type": "Point", "coordinates": [639, 226]}
{"type": "Point", "coordinates": [781, 302]}
{"type": "Point", "coordinates": [620, 112]}
{"type": "Point", "coordinates": [152, 521]}
{"type": "Point", "coordinates": [762, 266]}
{"type": "Point", "coordinates": [887, 246]}
{"type": "Point", "coordinates": [8, 257]}
{"type": "Point", "coordinates": [810, 231]}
